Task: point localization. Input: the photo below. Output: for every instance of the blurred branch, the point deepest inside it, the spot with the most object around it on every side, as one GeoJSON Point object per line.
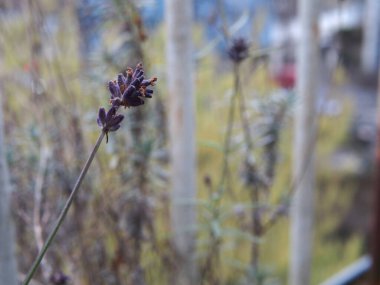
{"type": "Point", "coordinates": [55, 66]}
{"type": "Point", "coordinates": [227, 144]}
{"type": "Point", "coordinates": [223, 17]}
{"type": "Point", "coordinates": [242, 108]}
{"type": "Point", "coordinates": [255, 191]}
{"type": "Point", "coordinates": [229, 31]}
{"type": "Point", "coordinates": [37, 226]}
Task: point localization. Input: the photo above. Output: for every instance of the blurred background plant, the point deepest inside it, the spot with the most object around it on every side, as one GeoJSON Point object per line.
{"type": "Point", "coordinates": [55, 59]}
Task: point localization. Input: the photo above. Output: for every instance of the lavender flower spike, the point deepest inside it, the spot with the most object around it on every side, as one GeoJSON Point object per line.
{"type": "Point", "coordinates": [109, 122]}
{"type": "Point", "coordinates": [132, 87]}
{"type": "Point", "coordinates": [128, 90]}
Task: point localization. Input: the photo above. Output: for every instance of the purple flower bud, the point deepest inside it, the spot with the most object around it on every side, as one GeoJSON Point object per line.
{"type": "Point", "coordinates": [141, 79]}
{"type": "Point", "coordinates": [114, 128]}
{"type": "Point", "coordinates": [129, 76]}
{"type": "Point", "coordinates": [116, 120]}
{"type": "Point", "coordinates": [136, 83]}
{"type": "Point", "coordinates": [149, 82]}
{"type": "Point", "coordinates": [129, 92]}
{"type": "Point", "coordinates": [101, 117]}
{"type": "Point", "coordinates": [116, 102]}
{"type": "Point", "coordinates": [145, 82]}
{"type": "Point", "coordinates": [110, 114]}
{"type": "Point", "coordinates": [121, 80]}
{"type": "Point", "coordinates": [139, 73]}
{"type": "Point", "coordinates": [135, 101]}
{"type": "Point", "coordinates": [109, 122]}
{"type": "Point", "coordinates": [137, 69]}
{"type": "Point", "coordinates": [114, 89]}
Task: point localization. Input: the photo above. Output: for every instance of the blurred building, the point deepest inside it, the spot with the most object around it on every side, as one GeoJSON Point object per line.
{"type": "Point", "coordinates": [344, 27]}
{"type": "Point", "coordinates": [349, 33]}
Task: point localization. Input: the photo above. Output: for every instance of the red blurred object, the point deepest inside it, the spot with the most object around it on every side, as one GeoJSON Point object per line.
{"type": "Point", "coordinates": [32, 66]}
{"type": "Point", "coordinates": [286, 77]}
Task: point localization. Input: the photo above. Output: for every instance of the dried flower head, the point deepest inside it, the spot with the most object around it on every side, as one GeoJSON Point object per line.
{"type": "Point", "coordinates": [130, 90]}
{"type": "Point", "coordinates": [58, 278]}
{"type": "Point", "coordinates": [110, 121]}
{"type": "Point", "coordinates": [238, 51]}
{"type": "Point", "coordinates": [207, 181]}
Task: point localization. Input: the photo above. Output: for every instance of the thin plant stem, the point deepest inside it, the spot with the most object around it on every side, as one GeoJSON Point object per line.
{"type": "Point", "coordinates": [242, 109]}
{"type": "Point", "coordinates": [64, 211]}
{"type": "Point", "coordinates": [255, 196]}
{"type": "Point", "coordinates": [213, 253]}
{"type": "Point", "coordinates": [256, 230]}
{"type": "Point", "coordinates": [227, 142]}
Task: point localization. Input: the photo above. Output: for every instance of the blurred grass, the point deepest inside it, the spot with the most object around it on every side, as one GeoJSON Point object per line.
{"type": "Point", "coordinates": [329, 256]}
{"type": "Point", "coordinates": [213, 88]}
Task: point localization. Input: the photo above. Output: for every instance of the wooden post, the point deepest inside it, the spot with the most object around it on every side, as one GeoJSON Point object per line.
{"type": "Point", "coordinates": [375, 235]}
{"type": "Point", "coordinates": [179, 56]}
{"type": "Point", "coordinates": [301, 231]}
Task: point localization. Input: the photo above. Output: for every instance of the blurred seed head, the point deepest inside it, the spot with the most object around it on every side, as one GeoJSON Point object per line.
{"type": "Point", "coordinates": [207, 180]}
{"type": "Point", "coordinates": [238, 51]}
{"type": "Point", "coordinates": [58, 278]}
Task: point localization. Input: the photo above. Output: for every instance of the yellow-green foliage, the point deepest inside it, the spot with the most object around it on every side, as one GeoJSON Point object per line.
{"type": "Point", "coordinates": [214, 82]}
{"type": "Point", "coordinates": [330, 256]}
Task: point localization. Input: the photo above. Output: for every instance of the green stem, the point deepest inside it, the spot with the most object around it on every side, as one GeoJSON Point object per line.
{"type": "Point", "coordinates": [227, 143]}
{"type": "Point", "coordinates": [64, 211]}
